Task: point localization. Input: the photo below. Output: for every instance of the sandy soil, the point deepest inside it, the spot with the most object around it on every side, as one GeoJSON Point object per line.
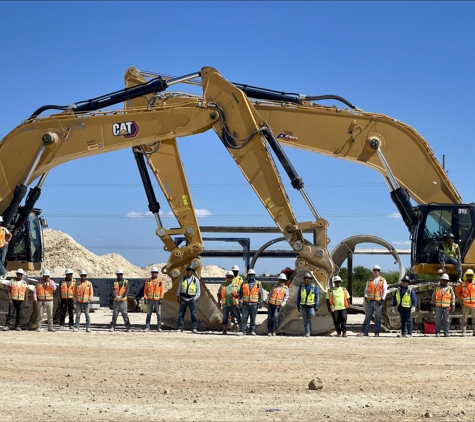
{"type": "Point", "coordinates": [181, 376]}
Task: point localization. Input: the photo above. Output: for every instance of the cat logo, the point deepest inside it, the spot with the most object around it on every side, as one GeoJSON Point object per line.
{"type": "Point", "coordinates": [125, 129]}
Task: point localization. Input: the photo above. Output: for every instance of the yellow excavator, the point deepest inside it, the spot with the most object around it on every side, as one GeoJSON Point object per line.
{"type": "Point", "coordinates": [252, 123]}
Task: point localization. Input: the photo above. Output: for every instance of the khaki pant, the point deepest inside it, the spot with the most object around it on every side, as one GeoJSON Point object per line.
{"type": "Point", "coordinates": [465, 312]}
{"type": "Point", "coordinates": [42, 305]}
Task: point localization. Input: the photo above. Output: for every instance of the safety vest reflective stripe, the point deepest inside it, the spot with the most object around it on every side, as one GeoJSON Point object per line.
{"type": "Point", "coordinates": [2, 236]}
{"type": "Point", "coordinates": [189, 288]}
{"type": "Point", "coordinates": [122, 289]}
{"type": "Point", "coordinates": [44, 293]}
{"type": "Point", "coordinates": [345, 297]}
{"type": "Point", "coordinates": [67, 292]}
{"type": "Point", "coordinates": [238, 280]}
{"type": "Point", "coordinates": [276, 297]}
{"type": "Point", "coordinates": [18, 293]}
{"type": "Point", "coordinates": [375, 293]}
{"type": "Point", "coordinates": [83, 291]}
{"type": "Point", "coordinates": [468, 295]}
{"type": "Point", "coordinates": [154, 289]}
{"type": "Point", "coordinates": [443, 300]}
{"type": "Point", "coordinates": [234, 294]}
{"type": "Point", "coordinates": [451, 253]}
{"type": "Point", "coordinates": [251, 295]}
{"type": "Point", "coordinates": [406, 299]}
{"type": "Point", "coordinates": [310, 299]}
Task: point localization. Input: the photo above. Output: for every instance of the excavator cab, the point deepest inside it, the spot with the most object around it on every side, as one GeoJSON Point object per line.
{"type": "Point", "coordinates": [26, 248]}
{"type": "Point", "coordinates": [435, 222]}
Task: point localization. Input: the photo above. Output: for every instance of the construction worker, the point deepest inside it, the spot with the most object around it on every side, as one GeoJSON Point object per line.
{"type": "Point", "coordinates": [251, 296]}
{"type": "Point", "coordinates": [18, 296]}
{"type": "Point", "coordinates": [307, 302]}
{"type": "Point", "coordinates": [405, 300]}
{"type": "Point", "coordinates": [83, 294]}
{"type": "Point", "coordinates": [120, 291]}
{"type": "Point", "coordinates": [187, 294]}
{"type": "Point", "coordinates": [43, 296]}
{"type": "Point", "coordinates": [449, 253]}
{"type": "Point", "coordinates": [228, 300]}
{"type": "Point", "coordinates": [338, 302]}
{"type": "Point", "coordinates": [276, 300]}
{"type": "Point", "coordinates": [153, 293]}
{"type": "Point", "coordinates": [290, 274]}
{"type": "Point", "coordinates": [465, 291]}
{"type": "Point", "coordinates": [444, 300]}
{"type": "Point", "coordinates": [5, 237]}
{"type": "Point", "coordinates": [66, 297]}
{"type": "Point", "coordinates": [374, 296]}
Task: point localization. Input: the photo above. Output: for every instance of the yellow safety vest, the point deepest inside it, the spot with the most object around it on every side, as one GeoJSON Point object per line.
{"type": "Point", "coordinates": [406, 301]}
{"type": "Point", "coordinates": [310, 299]}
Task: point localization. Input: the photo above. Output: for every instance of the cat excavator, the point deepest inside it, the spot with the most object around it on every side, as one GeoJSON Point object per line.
{"type": "Point", "coordinates": [252, 123]}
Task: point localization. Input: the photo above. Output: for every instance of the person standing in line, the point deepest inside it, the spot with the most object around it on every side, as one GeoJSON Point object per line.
{"type": "Point", "coordinates": [307, 302]}
{"type": "Point", "coordinates": [375, 295]}
{"type": "Point", "coordinates": [120, 291]}
{"type": "Point", "coordinates": [465, 291]}
{"type": "Point", "coordinates": [153, 292]}
{"type": "Point", "coordinates": [444, 300]}
{"type": "Point", "coordinates": [276, 300]}
{"type": "Point", "coordinates": [43, 296]}
{"type": "Point", "coordinates": [338, 301]}
{"type": "Point", "coordinates": [66, 297]}
{"type": "Point", "coordinates": [251, 296]}
{"type": "Point", "coordinates": [83, 294]}
{"type": "Point", "coordinates": [228, 300]}
{"type": "Point", "coordinates": [188, 293]}
{"type": "Point", "coordinates": [18, 296]}
{"type": "Point", "coordinates": [405, 300]}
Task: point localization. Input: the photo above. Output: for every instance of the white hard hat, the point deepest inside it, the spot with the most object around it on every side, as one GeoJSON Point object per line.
{"type": "Point", "coordinates": [154, 270]}
{"type": "Point", "coordinates": [251, 272]}
{"type": "Point", "coordinates": [282, 277]}
{"type": "Point", "coordinates": [229, 274]}
{"type": "Point", "coordinates": [235, 268]}
{"type": "Point", "coordinates": [1, 219]}
{"type": "Point", "coordinates": [46, 272]}
{"type": "Point", "coordinates": [119, 271]}
{"type": "Point", "coordinates": [83, 272]}
{"type": "Point", "coordinates": [337, 278]}
{"type": "Point", "coordinates": [376, 267]}
{"type": "Point", "coordinates": [444, 277]}
{"type": "Point", "coordinates": [68, 271]}
{"type": "Point", "coordinates": [20, 271]}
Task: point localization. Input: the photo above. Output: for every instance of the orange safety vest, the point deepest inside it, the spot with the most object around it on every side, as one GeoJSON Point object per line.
{"type": "Point", "coordinates": [251, 295]}
{"type": "Point", "coordinates": [83, 292]}
{"type": "Point", "coordinates": [443, 300]}
{"type": "Point", "coordinates": [375, 293]}
{"type": "Point", "coordinates": [67, 292]}
{"type": "Point", "coordinates": [154, 291]}
{"type": "Point", "coordinates": [3, 232]}
{"type": "Point", "coordinates": [234, 293]}
{"type": "Point", "coordinates": [122, 289]}
{"type": "Point", "coordinates": [44, 293]}
{"type": "Point", "coordinates": [276, 297]}
{"type": "Point", "coordinates": [345, 297]}
{"type": "Point", "coordinates": [18, 293]}
{"type": "Point", "coordinates": [466, 292]}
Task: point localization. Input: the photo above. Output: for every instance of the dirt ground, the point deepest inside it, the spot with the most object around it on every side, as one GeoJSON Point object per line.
{"type": "Point", "coordinates": [154, 376]}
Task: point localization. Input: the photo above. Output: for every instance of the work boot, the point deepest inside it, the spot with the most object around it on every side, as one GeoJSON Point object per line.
{"type": "Point", "coordinates": [307, 335]}
{"type": "Point", "coordinates": [194, 331]}
{"type": "Point", "coordinates": [338, 334]}
{"type": "Point", "coordinates": [75, 330]}
{"type": "Point", "coordinates": [180, 330]}
{"type": "Point", "coordinates": [111, 329]}
{"type": "Point", "coordinates": [159, 330]}
{"type": "Point", "coordinates": [253, 333]}
{"type": "Point", "coordinates": [61, 327]}
{"type": "Point", "coordinates": [344, 334]}
{"type": "Point", "coordinates": [376, 334]}
{"type": "Point", "coordinates": [437, 335]}
{"type": "Point", "coordinates": [274, 334]}
{"type": "Point", "coordinates": [240, 333]}
{"type": "Point", "coordinates": [147, 330]}
{"type": "Point", "coordinates": [269, 334]}
{"type": "Point", "coordinates": [51, 330]}
{"type": "Point", "coordinates": [224, 332]}
{"type": "Point", "coordinates": [7, 328]}
{"type": "Point", "coordinates": [71, 327]}
{"type": "Point", "coordinates": [464, 332]}
{"type": "Point", "coordinates": [441, 270]}
{"type": "Point", "coordinates": [88, 330]}
{"type": "Point", "coordinates": [128, 330]}
{"type": "Point", "coordinates": [17, 329]}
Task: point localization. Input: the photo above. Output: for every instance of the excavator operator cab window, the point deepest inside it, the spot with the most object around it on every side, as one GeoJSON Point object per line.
{"type": "Point", "coordinates": [438, 221]}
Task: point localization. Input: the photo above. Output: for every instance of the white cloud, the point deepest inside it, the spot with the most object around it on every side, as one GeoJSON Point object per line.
{"type": "Point", "coordinates": [133, 214]}
{"type": "Point", "coordinates": [394, 215]}
{"type": "Point", "coordinates": [97, 240]}
{"type": "Point", "coordinates": [401, 243]}
{"type": "Point", "coordinates": [202, 213]}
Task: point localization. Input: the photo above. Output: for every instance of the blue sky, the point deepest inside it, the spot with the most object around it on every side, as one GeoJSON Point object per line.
{"type": "Point", "coordinates": [413, 61]}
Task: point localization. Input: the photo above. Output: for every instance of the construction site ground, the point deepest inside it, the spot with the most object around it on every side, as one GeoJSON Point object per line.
{"type": "Point", "coordinates": [140, 376]}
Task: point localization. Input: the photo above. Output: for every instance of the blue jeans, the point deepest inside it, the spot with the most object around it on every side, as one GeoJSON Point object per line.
{"type": "Point", "coordinates": [231, 310]}
{"type": "Point", "coordinates": [120, 306]}
{"type": "Point", "coordinates": [372, 307]}
{"type": "Point", "coordinates": [249, 309]}
{"type": "Point", "coordinates": [3, 255]}
{"type": "Point", "coordinates": [181, 315]}
{"type": "Point", "coordinates": [82, 307]}
{"type": "Point", "coordinates": [272, 318]}
{"type": "Point", "coordinates": [442, 314]}
{"type": "Point", "coordinates": [444, 259]}
{"type": "Point", "coordinates": [406, 322]}
{"type": "Point", "coordinates": [154, 306]}
{"type": "Point", "coordinates": [307, 314]}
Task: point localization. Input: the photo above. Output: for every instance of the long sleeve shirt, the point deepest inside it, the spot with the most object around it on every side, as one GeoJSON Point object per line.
{"type": "Point", "coordinates": [307, 288]}
{"type": "Point", "coordinates": [251, 286]}
{"type": "Point", "coordinates": [51, 283]}
{"type": "Point", "coordinates": [189, 280]}
{"type": "Point", "coordinates": [376, 281]}
{"type": "Point", "coordinates": [444, 290]}
{"type": "Point", "coordinates": [403, 291]}
{"type": "Point", "coordinates": [279, 288]}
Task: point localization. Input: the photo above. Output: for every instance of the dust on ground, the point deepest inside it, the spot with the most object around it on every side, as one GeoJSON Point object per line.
{"type": "Point", "coordinates": [154, 376]}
